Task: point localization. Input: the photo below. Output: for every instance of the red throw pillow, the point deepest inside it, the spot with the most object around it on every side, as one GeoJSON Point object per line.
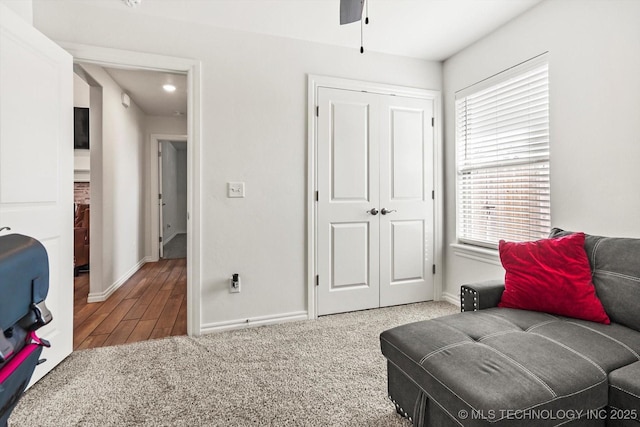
{"type": "Point", "coordinates": [551, 275]}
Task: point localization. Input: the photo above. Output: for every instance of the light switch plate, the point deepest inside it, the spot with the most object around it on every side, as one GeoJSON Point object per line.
{"type": "Point", "coordinates": [235, 189]}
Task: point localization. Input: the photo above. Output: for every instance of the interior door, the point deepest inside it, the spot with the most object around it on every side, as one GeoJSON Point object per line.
{"type": "Point", "coordinates": [406, 203]}
{"type": "Point", "coordinates": [36, 163]}
{"type": "Point", "coordinates": [375, 208]}
{"type": "Point", "coordinates": [348, 201]}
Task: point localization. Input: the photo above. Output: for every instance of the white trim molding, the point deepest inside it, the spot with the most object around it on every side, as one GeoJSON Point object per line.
{"type": "Point", "coordinates": [451, 298]}
{"type": "Point", "coordinates": [104, 295]}
{"type": "Point", "coordinates": [314, 83]}
{"type": "Point", "coordinates": [192, 67]}
{"type": "Point", "coordinates": [253, 322]}
{"type": "Point", "coordinates": [476, 253]}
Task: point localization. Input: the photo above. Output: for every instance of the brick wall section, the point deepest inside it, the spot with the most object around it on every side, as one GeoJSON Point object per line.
{"type": "Point", "coordinates": [82, 193]}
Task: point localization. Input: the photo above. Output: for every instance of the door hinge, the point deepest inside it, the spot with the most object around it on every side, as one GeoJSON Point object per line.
{"type": "Point", "coordinates": [159, 196]}
{"type": "Point", "coordinates": [433, 269]}
{"type": "Point", "coordinates": [317, 195]}
{"type": "Point", "coordinates": [433, 121]}
{"type": "Point", "coordinates": [317, 111]}
{"type": "Point", "coordinates": [317, 280]}
{"type": "Point", "coordinates": [433, 195]}
{"type": "Point", "coordinates": [160, 239]}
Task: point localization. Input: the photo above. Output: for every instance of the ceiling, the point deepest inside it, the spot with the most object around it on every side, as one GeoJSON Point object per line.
{"type": "Point", "coordinates": [426, 29]}
{"type": "Point", "coordinates": [145, 89]}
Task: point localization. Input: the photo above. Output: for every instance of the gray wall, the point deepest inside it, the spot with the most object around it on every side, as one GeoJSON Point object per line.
{"type": "Point", "coordinates": [594, 73]}
{"type": "Point", "coordinates": [117, 185]}
{"type": "Point", "coordinates": [174, 189]}
{"type": "Point", "coordinates": [23, 8]}
{"type": "Point", "coordinates": [254, 129]}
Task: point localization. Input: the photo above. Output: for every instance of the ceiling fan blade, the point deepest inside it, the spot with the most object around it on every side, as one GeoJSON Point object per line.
{"type": "Point", "coordinates": [350, 11]}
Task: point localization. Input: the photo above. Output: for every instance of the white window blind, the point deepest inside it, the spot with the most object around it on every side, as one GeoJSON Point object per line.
{"type": "Point", "coordinates": [502, 143]}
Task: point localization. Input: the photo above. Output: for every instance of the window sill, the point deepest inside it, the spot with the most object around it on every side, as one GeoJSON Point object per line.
{"type": "Point", "coordinates": [476, 253]}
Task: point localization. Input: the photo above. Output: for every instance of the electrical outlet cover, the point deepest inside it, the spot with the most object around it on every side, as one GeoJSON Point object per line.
{"type": "Point", "coordinates": [235, 189]}
{"type": "Point", "coordinates": [237, 288]}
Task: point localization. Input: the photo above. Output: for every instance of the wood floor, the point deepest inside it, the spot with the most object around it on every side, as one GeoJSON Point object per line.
{"type": "Point", "coordinates": [151, 304]}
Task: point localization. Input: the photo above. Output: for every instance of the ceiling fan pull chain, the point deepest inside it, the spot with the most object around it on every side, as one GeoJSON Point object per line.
{"type": "Point", "coordinates": [366, 19]}
{"type": "Point", "coordinates": [361, 38]}
{"type": "Point", "coordinates": [361, 35]}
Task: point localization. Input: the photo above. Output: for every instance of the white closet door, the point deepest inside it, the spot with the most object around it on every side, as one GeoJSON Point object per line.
{"type": "Point", "coordinates": [348, 178]}
{"type": "Point", "coordinates": [36, 163]}
{"type": "Point", "coordinates": [374, 211]}
{"type": "Point", "coordinates": [406, 184]}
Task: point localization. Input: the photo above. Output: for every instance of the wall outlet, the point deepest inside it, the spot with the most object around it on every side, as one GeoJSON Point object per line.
{"type": "Point", "coordinates": [234, 283]}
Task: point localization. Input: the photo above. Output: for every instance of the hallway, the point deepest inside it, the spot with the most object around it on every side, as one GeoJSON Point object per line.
{"type": "Point", "coordinates": [151, 304]}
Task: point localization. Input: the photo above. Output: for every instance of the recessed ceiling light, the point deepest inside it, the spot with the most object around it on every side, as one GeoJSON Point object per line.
{"type": "Point", "coordinates": [169, 88]}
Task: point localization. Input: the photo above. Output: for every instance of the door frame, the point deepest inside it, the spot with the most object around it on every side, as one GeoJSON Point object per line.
{"type": "Point", "coordinates": [315, 82]}
{"type": "Point", "coordinates": [155, 177]}
{"type": "Point", "coordinates": [160, 205]}
{"type": "Point", "coordinates": [153, 62]}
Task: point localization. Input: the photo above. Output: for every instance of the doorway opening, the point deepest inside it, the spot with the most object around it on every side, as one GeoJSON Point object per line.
{"type": "Point", "coordinates": [122, 309]}
{"type": "Point", "coordinates": [129, 296]}
{"type": "Point", "coordinates": [172, 197]}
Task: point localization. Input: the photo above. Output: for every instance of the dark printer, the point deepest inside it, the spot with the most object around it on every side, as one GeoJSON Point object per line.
{"type": "Point", "coordinates": [24, 284]}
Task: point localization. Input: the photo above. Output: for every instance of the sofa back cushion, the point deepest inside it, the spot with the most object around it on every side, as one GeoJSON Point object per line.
{"type": "Point", "coordinates": [615, 266]}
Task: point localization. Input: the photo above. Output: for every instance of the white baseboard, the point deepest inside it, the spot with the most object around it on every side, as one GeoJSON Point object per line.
{"type": "Point", "coordinates": [451, 298]}
{"type": "Point", "coordinates": [104, 295]}
{"type": "Point", "coordinates": [228, 325]}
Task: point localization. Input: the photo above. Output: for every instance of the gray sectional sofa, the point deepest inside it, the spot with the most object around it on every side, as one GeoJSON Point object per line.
{"type": "Point", "coordinates": [491, 366]}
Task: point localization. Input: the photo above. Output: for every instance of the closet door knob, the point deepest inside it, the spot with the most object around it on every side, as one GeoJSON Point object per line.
{"type": "Point", "coordinates": [384, 211]}
{"type": "Point", "coordinates": [373, 211]}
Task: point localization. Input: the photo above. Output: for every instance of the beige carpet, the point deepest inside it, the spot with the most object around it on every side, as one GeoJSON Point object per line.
{"type": "Point", "coordinates": [328, 372]}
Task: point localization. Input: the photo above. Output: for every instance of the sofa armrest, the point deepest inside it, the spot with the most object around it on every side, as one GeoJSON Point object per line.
{"type": "Point", "coordinates": [478, 296]}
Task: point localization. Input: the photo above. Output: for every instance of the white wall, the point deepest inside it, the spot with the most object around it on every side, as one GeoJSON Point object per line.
{"type": "Point", "coordinates": [80, 92]}
{"type": "Point", "coordinates": [23, 8]}
{"type": "Point", "coordinates": [81, 158]}
{"type": "Point", "coordinates": [119, 184]}
{"type": "Point", "coordinates": [166, 125]}
{"type": "Point", "coordinates": [181, 175]}
{"type": "Point", "coordinates": [169, 191]}
{"type": "Point", "coordinates": [594, 73]}
{"type": "Point", "coordinates": [254, 129]}
{"type": "Point", "coordinates": [96, 226]}
{"type": "Point", "coordinates": [174, 190]}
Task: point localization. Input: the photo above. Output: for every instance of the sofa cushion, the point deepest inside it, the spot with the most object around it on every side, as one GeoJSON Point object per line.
{"type": "Point", "coordinates": [550, 275]}
{"type": "Point", "coordinates": [624, 394]}
{"type": "Point", "coordinates": [608, 346]}
{"type": "Point", "coordinates": [501, 360]}
{"type": "Point", "coordinates": [616, 275]}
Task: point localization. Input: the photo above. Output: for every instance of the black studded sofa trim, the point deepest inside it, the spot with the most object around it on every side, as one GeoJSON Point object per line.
{"type": "Point", "coordinates": [482, 295]}
{"type": "Point", "coordinates": [491, 366]}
